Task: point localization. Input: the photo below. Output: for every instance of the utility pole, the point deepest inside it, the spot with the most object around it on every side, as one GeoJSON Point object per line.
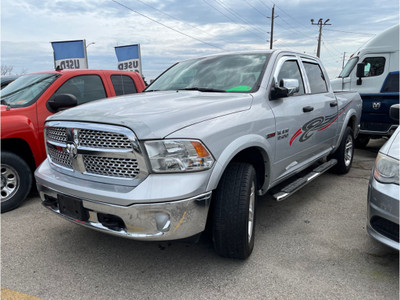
{"type": "Point", "coordinates": [320, 24]}
{"type": "Point", "coordinates": [271, 40]}
{"type": "Point", "coordinates": [344, 57]}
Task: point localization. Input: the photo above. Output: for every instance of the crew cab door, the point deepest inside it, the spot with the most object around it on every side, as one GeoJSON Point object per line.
{"type": "Point", "coordinates": [292, 115]}
{"type": "Point", "coordinates": [323, 126]}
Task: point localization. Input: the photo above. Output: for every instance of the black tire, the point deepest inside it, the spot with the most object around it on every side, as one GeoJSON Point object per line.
{"type": "Point", "coordinates": [345, 153]}
{"type": "Point", "coordinates": [16, 181]}
{"type": "Point", "coordinates": [234, 211]}
{"type": "Point", "coordinates": [361, 141]}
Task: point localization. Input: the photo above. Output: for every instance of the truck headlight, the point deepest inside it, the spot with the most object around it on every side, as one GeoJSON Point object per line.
{"type": "Point", "coordinates": [386, 169]}
{"type": "Point", "coordinates": [178, 156]}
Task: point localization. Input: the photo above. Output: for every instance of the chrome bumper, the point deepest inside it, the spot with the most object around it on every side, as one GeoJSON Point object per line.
{"type": "Point", "coordinates": [156, 221]}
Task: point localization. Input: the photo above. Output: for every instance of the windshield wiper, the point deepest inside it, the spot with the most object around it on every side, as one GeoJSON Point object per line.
{"type": "Point", "coordinates": [200, 89]}
{"type": "Point", "coordinates": [4, 102]}
{"type": "Point", "coordinates": [146, 91]}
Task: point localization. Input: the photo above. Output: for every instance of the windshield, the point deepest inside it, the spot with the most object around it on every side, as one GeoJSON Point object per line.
{"type": "Point", "coordinates": [348, 67]}
{"type": "Point", "coordinates": [225, 73]}
{"type": "Point", "coordinates": [26, 89]}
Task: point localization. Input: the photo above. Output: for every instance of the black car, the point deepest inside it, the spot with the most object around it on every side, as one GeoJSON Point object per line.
{"type": "Point", "coordinates": [5, 80]}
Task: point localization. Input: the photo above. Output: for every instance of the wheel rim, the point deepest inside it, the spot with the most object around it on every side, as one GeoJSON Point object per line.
{"type": "Point", "coordinates": [9, 182]}
{"type": "Point", "coordinates": [251, 211]}
{"type": "Point", "coordinates": [348, 152]}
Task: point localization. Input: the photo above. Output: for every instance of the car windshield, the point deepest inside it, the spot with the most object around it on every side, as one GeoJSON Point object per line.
{"type": "Point", "coordinates": [26, 89]}
{"type": "Point", "coordinates": [348, 67]}
{"type": "Point", "coordinates": [225, 73]}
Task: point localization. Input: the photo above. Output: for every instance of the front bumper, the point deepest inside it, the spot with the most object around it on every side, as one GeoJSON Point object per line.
{"type": "Point", "coordinates": [173, 208]}
{"type": "Point", "coordinates": [383, 213]}
{"type": "Point", "coordinates": [157, 221]}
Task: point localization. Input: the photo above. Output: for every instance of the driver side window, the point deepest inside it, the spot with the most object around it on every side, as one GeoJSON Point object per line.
{"type": "Point", "coordinates": [290, 70]}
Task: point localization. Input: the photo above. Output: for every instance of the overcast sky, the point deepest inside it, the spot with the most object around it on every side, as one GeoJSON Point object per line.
{"type": "Point", "coordinates": [190, 28]}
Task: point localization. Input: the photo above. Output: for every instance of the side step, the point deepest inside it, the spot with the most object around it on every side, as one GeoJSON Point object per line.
{"type": "Point", "coordinates": [299, 183]}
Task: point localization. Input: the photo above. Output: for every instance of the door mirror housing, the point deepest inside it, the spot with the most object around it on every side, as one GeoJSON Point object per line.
{"type": "Point", "coordinates": [61, 102]}
{"type": "Point", "coordinates": [360, 72]}
{"type": "Point", "coordinates": [285, 88]}
{"type": "Point", "coordinates": [394, 111]}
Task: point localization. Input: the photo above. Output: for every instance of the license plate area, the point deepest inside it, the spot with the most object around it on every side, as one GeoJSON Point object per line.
{"type": "Point", "coordinates": [72, 207]}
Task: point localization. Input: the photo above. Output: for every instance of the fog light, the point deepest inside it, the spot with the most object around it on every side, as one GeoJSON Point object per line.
{"type": "Point", "coordinates": [163, 222]}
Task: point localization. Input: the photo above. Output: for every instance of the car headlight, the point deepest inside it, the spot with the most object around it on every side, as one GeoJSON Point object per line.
{"type": "Point", "coordinates": [386, 169]}
{"type": "Point", "coordinates": [178, 156]}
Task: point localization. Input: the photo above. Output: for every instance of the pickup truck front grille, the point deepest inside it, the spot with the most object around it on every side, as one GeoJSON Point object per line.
{"type": "Point", "coordinates": [104, 151]}
{"type": "Point", "coordinates": [103, 139]}
{"type": "Point", "coordinates": [110, 166]}
{"type": "Point", "coordinates": [60, 157]}
{"type": "Point", "coordinates": [57, 134]}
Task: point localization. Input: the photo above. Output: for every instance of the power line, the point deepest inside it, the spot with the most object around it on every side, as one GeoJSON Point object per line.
{"type": "Point", "coordinates": [234, 21]}
{"type": "Point", "coordinates": [351, 32]}
{"type": "Point", "coordinates": [180, 32]}
{"type": "Point", "coordinates": [168, 15]}
{"type": "Point", "coordinates": [233, 13]}
{"type": "Point", "coordinates": [255, 8]}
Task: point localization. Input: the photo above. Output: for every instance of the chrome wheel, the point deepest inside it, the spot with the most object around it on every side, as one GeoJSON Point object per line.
{"type": "Point", "coordinates": [9, 182]}
{"type": "Point", "coordinates": [349, 149]}
{"type": "Point", "coordinates": [252, 203]}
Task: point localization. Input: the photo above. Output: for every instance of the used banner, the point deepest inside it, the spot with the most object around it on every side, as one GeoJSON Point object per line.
{"type": "Point", "coordinates": [129, 58]}
{"type": "Point", "coordinates": [70, 54]}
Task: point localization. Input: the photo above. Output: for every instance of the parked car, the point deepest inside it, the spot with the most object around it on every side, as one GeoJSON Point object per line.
{"type": "Point", "coordinates": [384, 191]}
{"type": "Point", "coordinates": [6, 80]}
{"type": "Point", "coordinates": [28, 101]}
{"type": "Point", "coordinates": [373, 71]}
{"type": "Point", "coordinates": [205, 138]}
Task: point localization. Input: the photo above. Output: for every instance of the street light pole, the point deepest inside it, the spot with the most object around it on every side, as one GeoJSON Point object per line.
{"type": "Point", "coordinates": [320, 24]}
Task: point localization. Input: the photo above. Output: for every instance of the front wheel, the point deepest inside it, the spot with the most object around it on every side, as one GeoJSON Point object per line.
{"type": "Point", "coordinates": [234, 211]}
{"type": "Point", "coordinates": [345, 153]}
{"type": "Point", "coordinates": [16, 181]}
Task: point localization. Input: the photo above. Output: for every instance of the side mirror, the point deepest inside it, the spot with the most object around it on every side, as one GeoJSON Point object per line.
{"type": "Point", "coordinates": [61, 102]}
{"type": "Point", "coordinates": [285, 88]}
{"type": "Point", "coordinates": [394, 111]}
{"type": "Point", "coordinates": [360, 72]}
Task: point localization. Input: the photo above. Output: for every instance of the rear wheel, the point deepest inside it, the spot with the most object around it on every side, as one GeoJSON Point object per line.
{"type": "Point", "coordinates": [345, 153]}
{"type": "Point", "coordinates": [16, 181]}
{"type": "Point", "coordinates": [234, 211]}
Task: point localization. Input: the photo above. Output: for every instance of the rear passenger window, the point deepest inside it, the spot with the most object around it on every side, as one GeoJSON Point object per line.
{"type": "Point", "coordinates": [374, 66]}
{"type": "Point", "coordinates": [316, 78]}
{"type": "Point", "coordinates": [85, 88]}
{"type": "Point", "coordinates": [123, 84]}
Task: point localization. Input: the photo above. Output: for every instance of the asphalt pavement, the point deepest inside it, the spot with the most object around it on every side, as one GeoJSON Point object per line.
{"type": "Point", "coordinates": [314, 245]}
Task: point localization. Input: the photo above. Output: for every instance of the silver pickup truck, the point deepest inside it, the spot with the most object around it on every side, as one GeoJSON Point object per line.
{"type": "Point", "coordinates": [206, 137]}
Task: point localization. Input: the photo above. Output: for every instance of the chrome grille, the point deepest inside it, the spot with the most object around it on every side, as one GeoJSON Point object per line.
{"type": "Point", "coordinates": [57, 134]}
{"type": "Point", "coordinates": [103, 139]}
{"type": "Point", "coordinates": [110, 166]}
{"type": "Point", "coordinates": [107, 153]}
{"type": "Point", "coordinates": [60, 157]}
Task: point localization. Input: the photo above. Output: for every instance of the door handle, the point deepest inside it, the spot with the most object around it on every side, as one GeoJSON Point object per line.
{"type": "Point", "coordinates": [333, 104]}
{"type": "Point", "coordinates": [308, 108]}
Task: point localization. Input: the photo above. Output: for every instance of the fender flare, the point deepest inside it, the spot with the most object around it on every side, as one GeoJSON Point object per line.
{"type": "Point", "coordinates": [235, 147]}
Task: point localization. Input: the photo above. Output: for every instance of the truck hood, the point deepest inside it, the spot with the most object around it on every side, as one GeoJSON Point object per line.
{"type": "Point", "coordinates": [155, 115]}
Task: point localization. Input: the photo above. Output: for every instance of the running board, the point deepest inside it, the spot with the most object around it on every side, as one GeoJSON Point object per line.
{"type": "Point", "coordinates": [299, 183]}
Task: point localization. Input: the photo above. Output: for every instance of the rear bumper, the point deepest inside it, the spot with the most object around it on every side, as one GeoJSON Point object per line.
{"type": "Point", "coordinates": [383, 213]}
{"type": "Point", "coordinates": [156, 221]}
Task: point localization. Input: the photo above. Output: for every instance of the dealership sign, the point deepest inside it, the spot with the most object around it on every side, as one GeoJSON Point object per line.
{"type": "Point", "coordinates": [129, 58]}
{"type": "Point", "coordinates": [70, 54]}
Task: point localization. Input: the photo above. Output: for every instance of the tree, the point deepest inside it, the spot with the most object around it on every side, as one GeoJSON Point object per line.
{"type": "Point", "coordinates": [6, 70]}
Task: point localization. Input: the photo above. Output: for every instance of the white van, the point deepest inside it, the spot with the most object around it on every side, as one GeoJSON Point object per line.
{"type": "Point", "coordinates": [376, 78]}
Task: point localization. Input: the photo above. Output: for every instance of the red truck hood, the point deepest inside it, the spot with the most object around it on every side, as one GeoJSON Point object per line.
{"type": "Point", "coordinates": [154, 115]}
